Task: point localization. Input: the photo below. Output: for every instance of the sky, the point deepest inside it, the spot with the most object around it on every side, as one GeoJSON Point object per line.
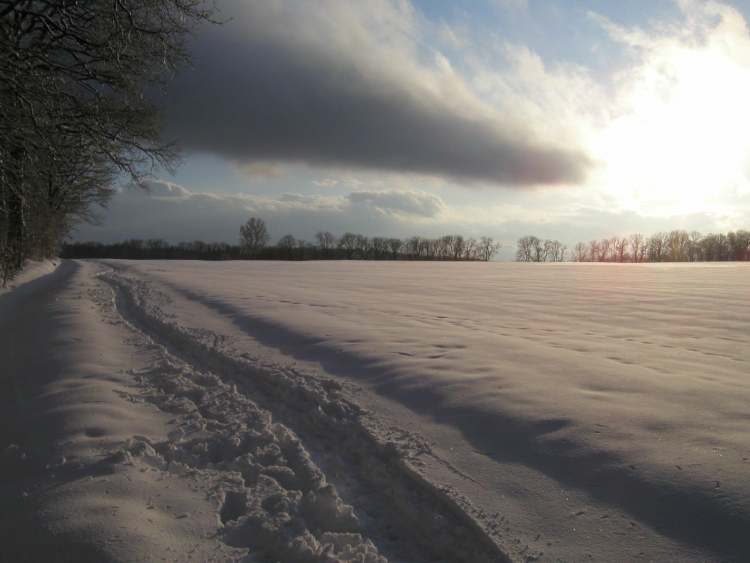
{"type": "Point", "coordinates": [566, 119]}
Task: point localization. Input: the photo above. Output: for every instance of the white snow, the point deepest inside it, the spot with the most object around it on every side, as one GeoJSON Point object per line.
{"type": "Point", "coordinates": [68, 412]}
{"type": "Point", "coordinates": [335, 411]}
{"type": "Point", "coordinates": [30, 279]}
{"type": "Point", "coordinates": [32, 270]}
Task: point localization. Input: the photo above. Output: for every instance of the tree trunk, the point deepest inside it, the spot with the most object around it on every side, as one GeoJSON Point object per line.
{"type": "Point", "coordinates": [15, 212]}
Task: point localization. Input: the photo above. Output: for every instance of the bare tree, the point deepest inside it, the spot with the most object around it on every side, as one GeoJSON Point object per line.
{"type": "Point", "coordinates": [287, 244]}
{"type": "Point", "coordinates": [488, 248]}
{"type": "Point", "coordinates": [580, 252]}
{"type": "Point", "coordinates": [287, 241]}
{"type": "Point", "coordinates": [722, 251]}
{"type": "Point", "coordinates": [418, 248]}
{"type": "Point", "coordinates": [348, 243]}
{"type": "Point", "coordinates": [555, 251]}
{"type": "Point", "coordinates": [379, 247]}
{"type": "Point", "coordinates": [533, 249]}
{"type": "Point", "coordinates": [657, 247]}
{"type": "Point", "coordinates": [537, 249]}
{"type": "Point", "coordinates": [739, 244]}
{"type": "Point", "coordinates": [695, 246]}
{"type": "Point", "coordinates": [612, 255]}
{"type": "Point", "coordinates": [594, 251]}
{"type": "Point", "coordinates": [605, 250]}
{"type": "Point", "coordinates": [72, 80]}
{"type": "Point", "coordinates": [620, 248]}
{"type": "Point", "coordinates": [636, 246]}
{"type": "Point", "coordinates": [523, 249]}
{"type": "Point", "coordinates": [678, 246]}
{"type": "Point", "coordinates": [550, 250]}
{"type": "Point", "coordinates": [253, 235]}
{"type": "Point", "coordinates": [470, 249]}
{"type": "Point", "coordinates": [326, 240]}
{"type": "Point", "coordinates": [433, 248]}
{"type": "Point", "coordinates": [394, 246]}
{"type": "Point", "coordinates": [459, 246]}
{"type": "Point", "coordinates": [363, 246]}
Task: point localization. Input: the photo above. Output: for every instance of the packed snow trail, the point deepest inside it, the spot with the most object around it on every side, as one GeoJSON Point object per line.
{"type": "Point", "coordinates": [409, 518]}
{"type": "Point", "coordinates": [70, 416]}
{"type": "Point", "coordinates": [572, 412]}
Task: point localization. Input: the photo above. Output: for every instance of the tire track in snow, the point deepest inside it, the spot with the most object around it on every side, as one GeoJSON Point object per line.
{"type": "Point", "coordinates": [408, 518]}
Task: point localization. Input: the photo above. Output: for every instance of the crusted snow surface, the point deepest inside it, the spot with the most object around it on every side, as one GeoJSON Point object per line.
{"type": "Point", "coordinates": [237, 425]}
{"type": "Point", "coordinates": [32, 271]}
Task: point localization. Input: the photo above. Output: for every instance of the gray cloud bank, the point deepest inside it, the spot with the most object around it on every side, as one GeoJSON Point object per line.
{"type": "Point", "coordinates": [169, 211]}
{"type": "Point", "coordinates": [408, 203]}
{"type": "Point", "coordinates": [346, 84]}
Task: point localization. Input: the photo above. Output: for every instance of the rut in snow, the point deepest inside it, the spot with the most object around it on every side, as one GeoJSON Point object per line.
{"type": "Point", "coordinates": [350, 493]}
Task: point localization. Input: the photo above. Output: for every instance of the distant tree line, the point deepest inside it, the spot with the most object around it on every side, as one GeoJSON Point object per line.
{"type": "Point", "coordinates": [152, 249]}
{"type": "Point", "coordinates": [533, 249]}
{"type": "Point", "coordinates": [254, 239]}
{"type": "Point", "coordinates": [349, 246]}
{"type": "Point", "coordinates": [73, 114]}
{"type": "Point", "coordinates": [672, 246]}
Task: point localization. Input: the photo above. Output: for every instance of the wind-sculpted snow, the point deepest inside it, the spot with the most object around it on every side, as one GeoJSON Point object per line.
{"type": "Point", "coordinates": [622, 388]}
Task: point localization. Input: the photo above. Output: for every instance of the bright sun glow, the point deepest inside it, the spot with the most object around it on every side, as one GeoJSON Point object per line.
{"type": "Point", "coordinates": [680, 141]}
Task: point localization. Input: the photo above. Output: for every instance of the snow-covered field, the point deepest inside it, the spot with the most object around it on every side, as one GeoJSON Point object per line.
{"type": "Point", "coordinates": [364, 411]}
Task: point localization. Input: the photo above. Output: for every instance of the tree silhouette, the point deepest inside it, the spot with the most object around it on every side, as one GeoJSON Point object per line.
{"type": "Point", "coordinates": [74, 114]}
{"type": "Point", "coordinates": [253, 235]}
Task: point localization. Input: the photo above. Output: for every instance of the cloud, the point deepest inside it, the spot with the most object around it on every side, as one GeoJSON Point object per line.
{"type": "Point", "coordinates": [562, 99]}
{"type": "Point", "coordinates": [260, 169]}
{"type": "Point", "coordinates": [673, 144]}
{"type": "Point", "coordinates": [167, 210]}
{"type": "Point", "coordinates": [405, 203]}
{"type": "Point", "coordinates": [162, 188]}
{"type": "Point", "coordinates": [326, 183]}
{"type": "Point", "coordinates": [338, 83]}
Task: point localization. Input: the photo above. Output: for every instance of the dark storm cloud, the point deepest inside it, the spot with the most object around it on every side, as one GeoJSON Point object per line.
{"type": "Point", "coordinates": [333, 83]}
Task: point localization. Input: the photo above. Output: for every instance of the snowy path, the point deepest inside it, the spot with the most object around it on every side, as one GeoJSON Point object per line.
{"type": "Point", "coordinates": [408, 518]}
{"type": "Point", "coordinates": [123, 441]}
{"type": "Point", "coordinates": [358, 412]}
{"type": "Point", "coordinates": [69, 489]}
{"type": "Point", "coordinates": [81, 477]}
